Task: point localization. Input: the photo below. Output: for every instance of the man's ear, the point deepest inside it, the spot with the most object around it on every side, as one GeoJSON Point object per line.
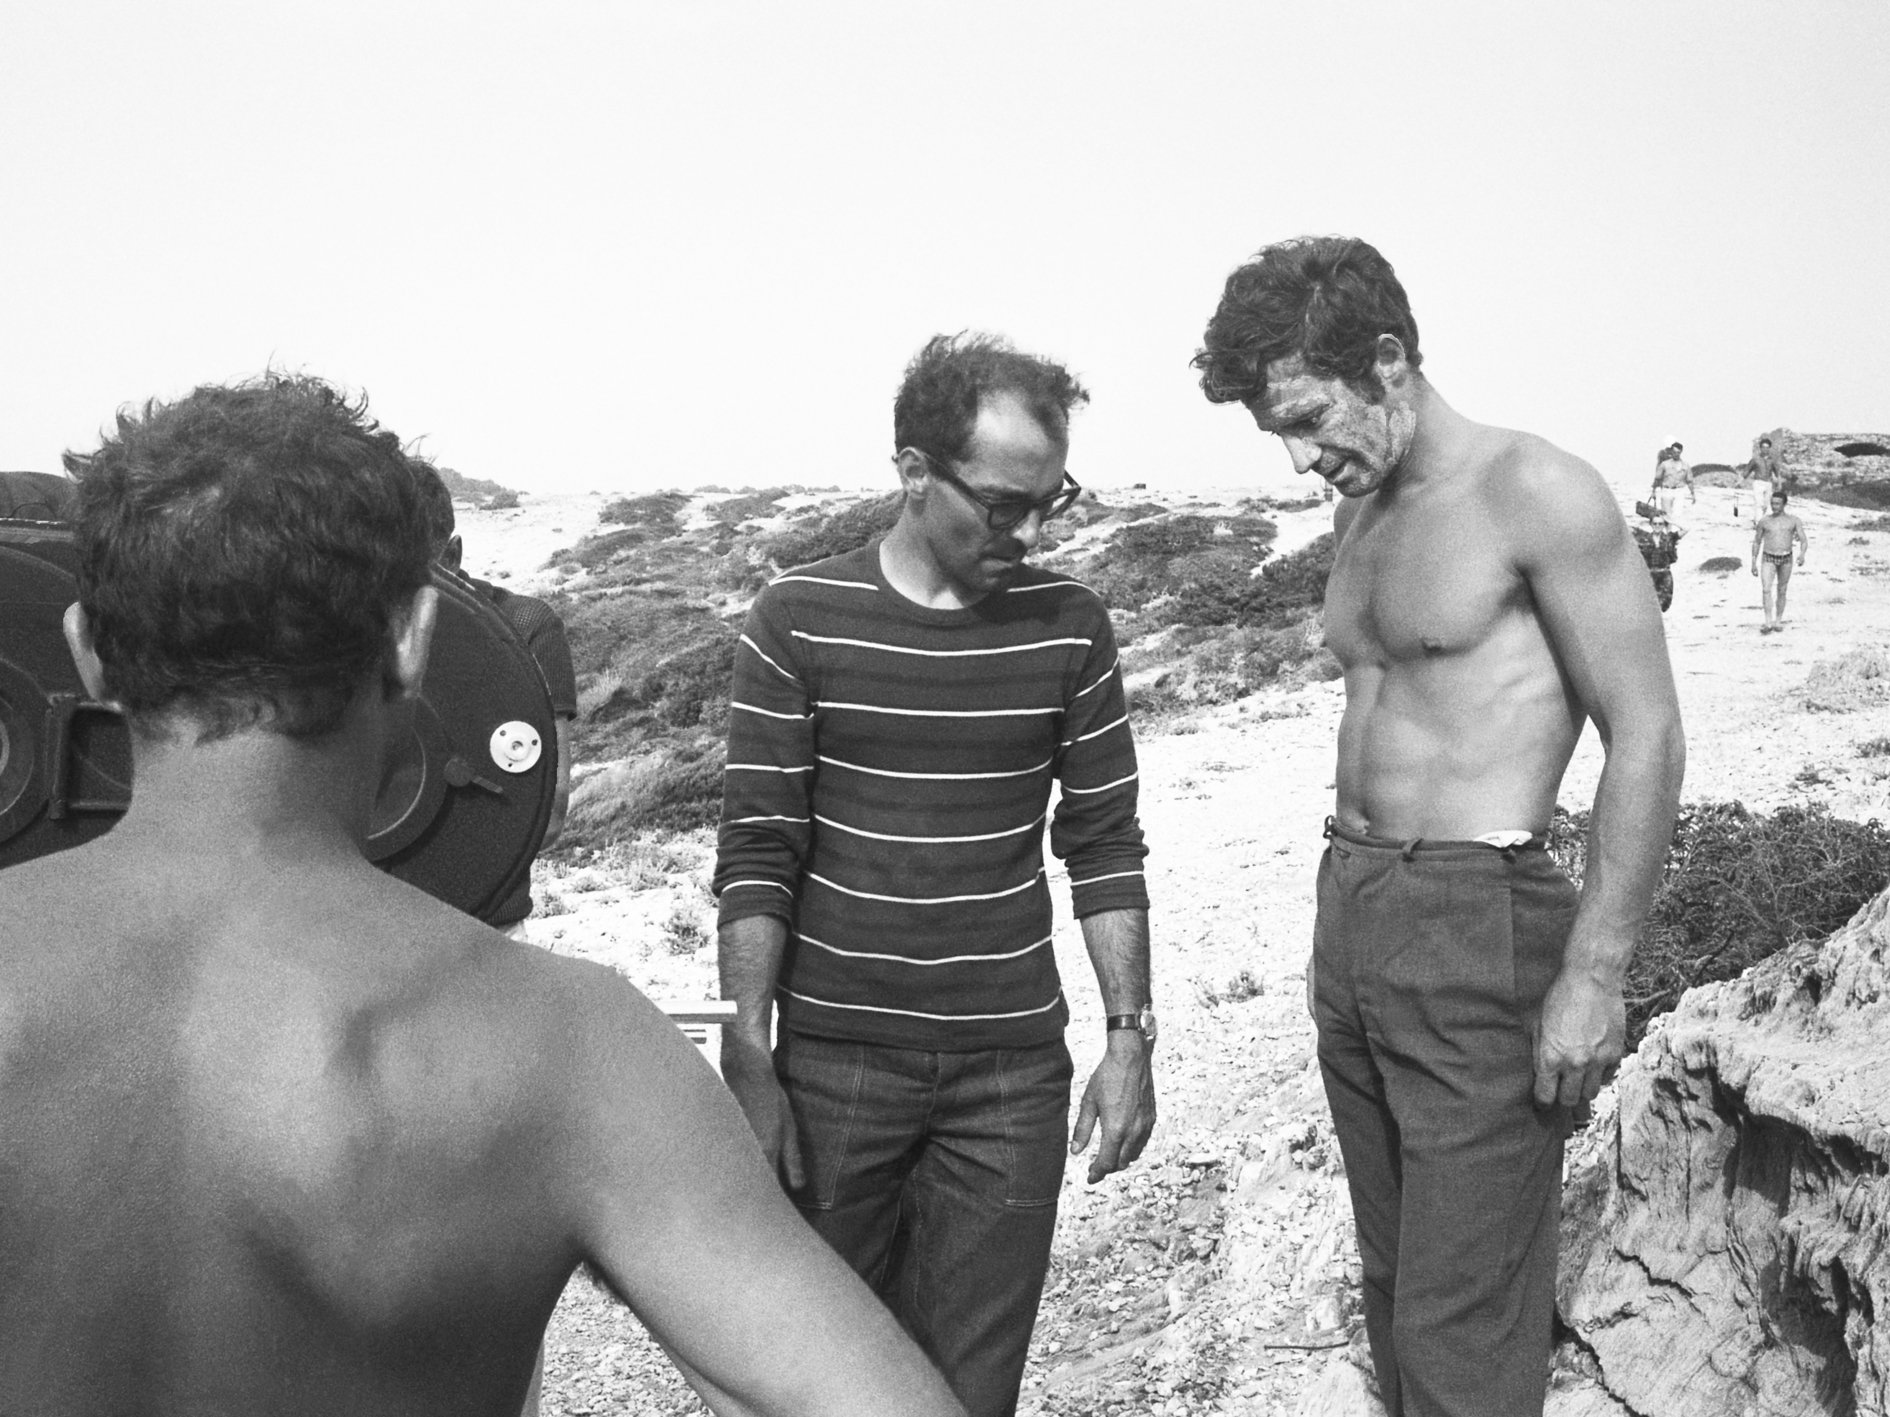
{"type": "Point", "coordinates": [410, 641]}
{"type": "Point", "coordinates": [455, 550]}
{"type": "Point", "coordinates": [78, 627]}
{"type": "Point", "coordinates": [915, 474]}
{"type": "Point", "coordinates": [1390, 364]}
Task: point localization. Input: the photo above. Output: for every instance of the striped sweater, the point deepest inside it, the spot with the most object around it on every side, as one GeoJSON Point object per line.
{"type": "Point", "coordinates": [889, 772]}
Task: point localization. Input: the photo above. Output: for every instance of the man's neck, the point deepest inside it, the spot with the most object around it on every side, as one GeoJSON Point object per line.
{"type": "Point", "coordinates": [254, 793]}
{"type": "Point", "coordinates": [1439, 444]}
{"type": "Point", "coordinates": [911, 570]}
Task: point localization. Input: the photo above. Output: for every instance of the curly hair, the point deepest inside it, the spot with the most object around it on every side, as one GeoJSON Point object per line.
{"type": "Point", "coordinates": [436, 502]}
{"type": "Point", "coordinates": [1324, 298]}
{"type": "Point", "coordinates": [241, 552]}
{"type": "Point", "coordinates": [937, 405]}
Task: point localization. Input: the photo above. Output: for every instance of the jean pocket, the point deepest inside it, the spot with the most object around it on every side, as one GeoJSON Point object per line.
{"type": "Point", "coordinates": [1035, 1096]}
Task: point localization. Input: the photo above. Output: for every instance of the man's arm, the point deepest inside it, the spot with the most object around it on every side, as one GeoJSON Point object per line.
{"type": "Point", "coordinates": [1121, 1092]}
{"type": "Point", "coordinates": [1591, 593]}
{"type": "Point", "coordinates": [1758, 540]}
{"type": "Point", "coordinates": [1096, 830]}
{"type": "Point", "coordinates": [749, 953]}
{"type": "Point", "coordinates": [679, 1215]}
{"type": "Point", "coordinates": [766, 816]}
{"type": "Point", "coordinates": [1798, 535]}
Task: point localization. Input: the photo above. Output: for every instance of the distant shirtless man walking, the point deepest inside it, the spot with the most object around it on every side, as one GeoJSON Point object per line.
{"type": "Point", "coordinates": [283, 1135]}
{"type": "Point", "coordinates": [1485, 601]}
{"type": "Point", "coordinates": [1773, 538]}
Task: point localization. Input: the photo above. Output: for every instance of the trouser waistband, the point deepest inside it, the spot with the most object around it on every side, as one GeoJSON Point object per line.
{"type": "Point", "coordinates": [1411, 847]}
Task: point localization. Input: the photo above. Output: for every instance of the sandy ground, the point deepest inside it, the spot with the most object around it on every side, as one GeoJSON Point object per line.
{"type": "Point", "coordinates": [1217, 1275]}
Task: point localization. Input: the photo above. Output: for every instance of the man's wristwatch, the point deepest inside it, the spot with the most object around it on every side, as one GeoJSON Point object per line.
{"type": "Point", "coordinates": [1143, 1023]}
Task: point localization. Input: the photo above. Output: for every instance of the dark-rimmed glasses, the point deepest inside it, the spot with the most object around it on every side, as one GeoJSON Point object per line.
{"type": "Point", "coordinates": [1003, 513]}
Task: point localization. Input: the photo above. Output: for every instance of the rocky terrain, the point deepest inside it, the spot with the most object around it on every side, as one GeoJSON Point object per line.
{"type": "Point", "coordinates": [1218, 1274]}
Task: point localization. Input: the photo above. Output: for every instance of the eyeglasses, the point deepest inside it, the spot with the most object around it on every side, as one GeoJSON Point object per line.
{"type": "Point", "coordinates": [1003, 513]}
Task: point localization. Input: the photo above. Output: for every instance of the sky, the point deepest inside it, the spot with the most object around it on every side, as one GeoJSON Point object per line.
{"type": "Point", "coordinates": [574, 246]}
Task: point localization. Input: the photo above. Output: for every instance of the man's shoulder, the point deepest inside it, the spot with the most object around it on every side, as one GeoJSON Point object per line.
{"type": "Point", "coordinates": [1034, 585]}
{"type": "Point", "coordinates": [1545, 498]}
{"type": "Point", "coordinates": [851, 572]}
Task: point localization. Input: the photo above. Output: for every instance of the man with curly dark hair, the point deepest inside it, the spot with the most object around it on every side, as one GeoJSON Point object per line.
{"type": "Point", "coordinates": [283, 1133]}
{"type": "Point", "coordinates": [1485, 602]}
{"type": "Point", "coordinates": [900, 715]}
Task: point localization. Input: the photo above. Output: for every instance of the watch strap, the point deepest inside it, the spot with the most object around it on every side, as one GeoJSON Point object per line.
{"type": "Point", "coordinates": [1115, 1021]}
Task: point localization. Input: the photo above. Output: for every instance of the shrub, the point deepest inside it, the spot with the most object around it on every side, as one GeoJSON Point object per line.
{"type": "Point", "coordinates": [1720, 565]}
{"type": "Point", "coordinates": [501, 501]}
{"type": "Point", "coordinates": [675, 788]}
{"type": "Point", "coordinates": [1739, 886]}
{"type": "Point", "coordinates": [815, 538]}
{"type": "Point", "coordinates": [1874, 748]}
{"type": "Point", "coordinates": [1870, 496]}
{"type": "Point", "coordinates": [655, 512]}
{"type": "Point", "coordinates": [749, 506]}
{"type": "Point", "coordinates": [1881, 523]}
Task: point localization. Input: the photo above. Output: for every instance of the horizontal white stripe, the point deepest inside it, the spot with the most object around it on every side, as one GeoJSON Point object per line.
{"type": "Point", "coordinates": [1112, 876]}
{"type": "Point", "coordinates": [744, 821]}
{"type": "Point", "coordinates": [936, 776]}
{"type": "Point", "coordinates": [769, 662]}
{"type": "Point", "coordinates": [1108, 674]}
{"type": "Point", "coordinates": [907, 959]}
{"type": "Point", "coordinates": [934, 653]}
{"type": "Point", "coordinates": [914, 1013]}
{"type": "Point", "coordinates": [770, 713]}
{"type": "Point", "coordinates": [1095, 733]}
{"type": "Point", "coordinates": [762, 767]}
{"type": "Point", "coordinates": [1046, 585]}
{"type": "Point", "coordinates": [927, 899]}
{"type": "Point", "coordinates": [823, 580]}
{"type": "Point", "coordinates": [1106, 787]}
{"type": "Point", "coordinates": [886, 836]}
{"type": "Point", "coordinates": [775, 884]}
{"type": "Point", "coordinates": [935, 713]}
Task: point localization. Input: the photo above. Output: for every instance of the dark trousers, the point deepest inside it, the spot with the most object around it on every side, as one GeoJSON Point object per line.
{"type": "Point", "coordinates": [1430, 964]}
{"type": "Point", "coordinates": [936, 1176]}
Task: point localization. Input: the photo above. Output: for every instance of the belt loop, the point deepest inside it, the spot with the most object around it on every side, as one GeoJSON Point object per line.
{"type": "Point", "coordinates": [1509, 853]}
{"type": "Point", "coordinates": [1410, 847]}
{"type": "Point", "coordinates": [1327, 832]}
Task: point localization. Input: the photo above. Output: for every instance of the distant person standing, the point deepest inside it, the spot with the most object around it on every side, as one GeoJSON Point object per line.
{"type": "Point", "coordinates": [1773, 539]}
{"type": "Point", "coordinates": [1764, 470]}
{"type": "Point", "coordinates": [1671, 473]}
{"type": "Point", "coordinates": [538, 625]}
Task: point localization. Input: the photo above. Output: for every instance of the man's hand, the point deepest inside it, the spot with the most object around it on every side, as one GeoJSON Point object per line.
{"type": "Point", "coordinates": [1755, 568]}
{"type": "Point", "coordinates": [748, 1070]}
{"type": "Point", "coordinates": [1121, 1093]}
{"type": "Point", "coordinates": [1579, 1041]}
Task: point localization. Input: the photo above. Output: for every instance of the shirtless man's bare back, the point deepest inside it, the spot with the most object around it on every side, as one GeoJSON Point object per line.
{"type": "Point", "coordinates": [283, 1134]}
{"type": "Point", "coordinates": [1485, 601]}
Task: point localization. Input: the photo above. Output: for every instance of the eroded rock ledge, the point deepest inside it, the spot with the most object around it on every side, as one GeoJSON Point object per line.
{"type": "Point", "coordinates": [1726, 1222]}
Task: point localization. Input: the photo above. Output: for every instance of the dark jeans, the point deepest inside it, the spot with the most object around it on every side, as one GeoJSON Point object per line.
{"type": "Point", "coordinates": [936, 1176]}
{"type": "Point", "coordinates": [1430, 963]}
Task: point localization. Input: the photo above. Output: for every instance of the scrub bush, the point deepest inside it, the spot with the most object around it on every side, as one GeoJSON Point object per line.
{"type": "Point", "coordinates": [1739, 886]}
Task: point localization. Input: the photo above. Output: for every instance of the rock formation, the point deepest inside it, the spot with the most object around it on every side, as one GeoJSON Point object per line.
{"type": "Point", "coordinates": [1830, 459]}
{"type": "Point", "coordinates": [1726, 1222]}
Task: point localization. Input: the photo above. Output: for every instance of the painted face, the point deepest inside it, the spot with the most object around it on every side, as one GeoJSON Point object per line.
{"type": "Point", "coordinates": [1332, 429]}
{"type": "Point", "coordinates": [1011, 457]}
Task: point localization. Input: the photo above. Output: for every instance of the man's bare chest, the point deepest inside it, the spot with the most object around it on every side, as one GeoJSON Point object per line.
{"type": "Point", "coordinates": [1418, 588]}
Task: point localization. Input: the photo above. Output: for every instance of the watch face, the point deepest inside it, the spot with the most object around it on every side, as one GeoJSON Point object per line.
{"type": "Point", "coordinates": [1147, 1022]}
